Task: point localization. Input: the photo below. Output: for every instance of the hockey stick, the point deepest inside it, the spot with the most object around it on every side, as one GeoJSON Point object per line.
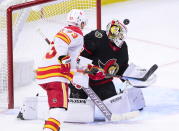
{"type": "Point", "coordinates": [43, 36]}
{"type": "Point", "coordinates": [144, 78]}
{"type": "Point", "coordinates": [107, 113]}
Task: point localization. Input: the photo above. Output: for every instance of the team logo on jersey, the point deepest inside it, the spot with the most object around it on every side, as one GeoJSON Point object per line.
{"type": "Point", "coordinates": [98, 34]}
{"type": "Point", "coordinates": [110, 67]}
{"type": "Point", "coordinates": [54, 100]}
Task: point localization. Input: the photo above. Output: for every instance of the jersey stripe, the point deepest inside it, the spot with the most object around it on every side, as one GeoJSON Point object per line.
{"type": "Point", "coordinates": [54, 121]}
{"type": "Point", "coordinates": [52, 71]}
{"type": "Point", "coordinates": [48, 68]}
{"type": "Point", "coordinates": [50, 127]}
{"type": "Point", "coordinates": [63, 37]}
{"type": "Point", "coordinates": [65, 102]}
{"type": "Point", "coordinates": [69, 76]}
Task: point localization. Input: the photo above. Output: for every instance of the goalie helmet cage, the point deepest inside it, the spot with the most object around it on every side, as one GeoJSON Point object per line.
{"type": "Point", "coordinates": [13, 18]}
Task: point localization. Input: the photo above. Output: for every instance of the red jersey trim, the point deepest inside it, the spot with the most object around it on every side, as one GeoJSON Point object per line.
{"type": "Point", "coordinates": [75, 29]}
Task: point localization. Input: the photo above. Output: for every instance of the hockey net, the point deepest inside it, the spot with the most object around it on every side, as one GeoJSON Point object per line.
{"type": "Point", "coordinates": [20, 43]}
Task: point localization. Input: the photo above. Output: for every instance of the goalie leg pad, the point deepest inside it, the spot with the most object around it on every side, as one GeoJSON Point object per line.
{"type": "Point", "coordinates": [117, 104]}
{"type": "Point", "coordinates": [80, 110]}
{"type": "Point", "coordinates": [28, 111]}
{"type": "Point", "coordinates": [136, 99]}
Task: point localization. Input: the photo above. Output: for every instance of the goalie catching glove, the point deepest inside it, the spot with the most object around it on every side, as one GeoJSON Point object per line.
{"type": "Point", "coordinates": [95, 72]}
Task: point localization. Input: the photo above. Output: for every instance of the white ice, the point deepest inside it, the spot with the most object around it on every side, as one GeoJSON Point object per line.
{"type": "Point", "coordinates": [152, 38]}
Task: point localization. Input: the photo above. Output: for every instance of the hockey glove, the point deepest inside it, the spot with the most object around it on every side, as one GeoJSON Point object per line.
{"type": "Point", "coordinates": [65, 66]}
{"type": "Point", "coordinates": [95, 72]}
{"type": "Point", "coordinates": [64, 63]}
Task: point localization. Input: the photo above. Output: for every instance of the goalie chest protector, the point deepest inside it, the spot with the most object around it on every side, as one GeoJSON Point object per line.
{"type": "Point", "coordinates": [101, 50]}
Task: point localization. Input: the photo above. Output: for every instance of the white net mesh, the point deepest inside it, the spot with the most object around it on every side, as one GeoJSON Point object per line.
{"type": "Point", "coordinates": [27, 43]}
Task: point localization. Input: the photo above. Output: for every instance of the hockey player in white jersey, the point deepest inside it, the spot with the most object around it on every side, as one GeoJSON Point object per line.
{"type": "Point", "coordinates": [54, 73]}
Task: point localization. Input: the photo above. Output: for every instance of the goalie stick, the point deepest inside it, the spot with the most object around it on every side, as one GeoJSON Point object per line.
{"type": "Point", "coordinates": [146, 75]}
{"type": "Point", "coordinates": [144, 78]}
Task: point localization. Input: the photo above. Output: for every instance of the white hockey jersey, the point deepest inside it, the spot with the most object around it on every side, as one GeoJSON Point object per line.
{"type": "Point", "coordinates": [68, 41]}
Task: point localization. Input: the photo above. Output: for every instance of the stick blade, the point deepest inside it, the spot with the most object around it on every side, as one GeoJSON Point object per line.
{"type": "Point", "coordinates": [150, 72]}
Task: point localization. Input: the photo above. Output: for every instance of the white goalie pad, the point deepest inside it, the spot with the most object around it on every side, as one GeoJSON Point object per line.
{"type": "Point", "coordinates": [136, 99]}
{"type": "Point", "coordinates": [117, 104]}
{"type": "Point", "coordinates": [79, 110]}
{"type": "Point", "coordinates": [135, 95]}
{"type": "Point", "coordinates": [131, 99]}
{"type": "Point", "coordinates": [42, 107]}
{"type": "Point", "coordinates": [29, 108]}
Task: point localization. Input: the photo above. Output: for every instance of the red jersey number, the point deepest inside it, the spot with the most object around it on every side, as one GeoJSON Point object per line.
{"type": "Point", "coordinates": [51, 53]}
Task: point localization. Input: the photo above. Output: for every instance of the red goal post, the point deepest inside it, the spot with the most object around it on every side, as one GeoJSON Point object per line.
{"type": "Point", "coordinates": [44, 9]}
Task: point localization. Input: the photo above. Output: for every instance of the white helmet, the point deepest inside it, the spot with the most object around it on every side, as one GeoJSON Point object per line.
{"type": "Point", "coordinates": [76, 17]}
{"type": "Point", "coordinates": [116, 32]}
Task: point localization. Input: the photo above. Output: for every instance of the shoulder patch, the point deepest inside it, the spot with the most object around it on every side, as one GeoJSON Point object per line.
{"type": "Point", "coordinates": [98, 34]}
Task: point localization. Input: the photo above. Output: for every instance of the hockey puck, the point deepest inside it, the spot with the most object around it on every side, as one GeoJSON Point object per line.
{"type": "Point", "coordinates": [126, 21]}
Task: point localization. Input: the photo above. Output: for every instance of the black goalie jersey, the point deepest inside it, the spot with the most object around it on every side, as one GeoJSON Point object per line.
{"type": "Point", "coordinates": [105, 54]}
